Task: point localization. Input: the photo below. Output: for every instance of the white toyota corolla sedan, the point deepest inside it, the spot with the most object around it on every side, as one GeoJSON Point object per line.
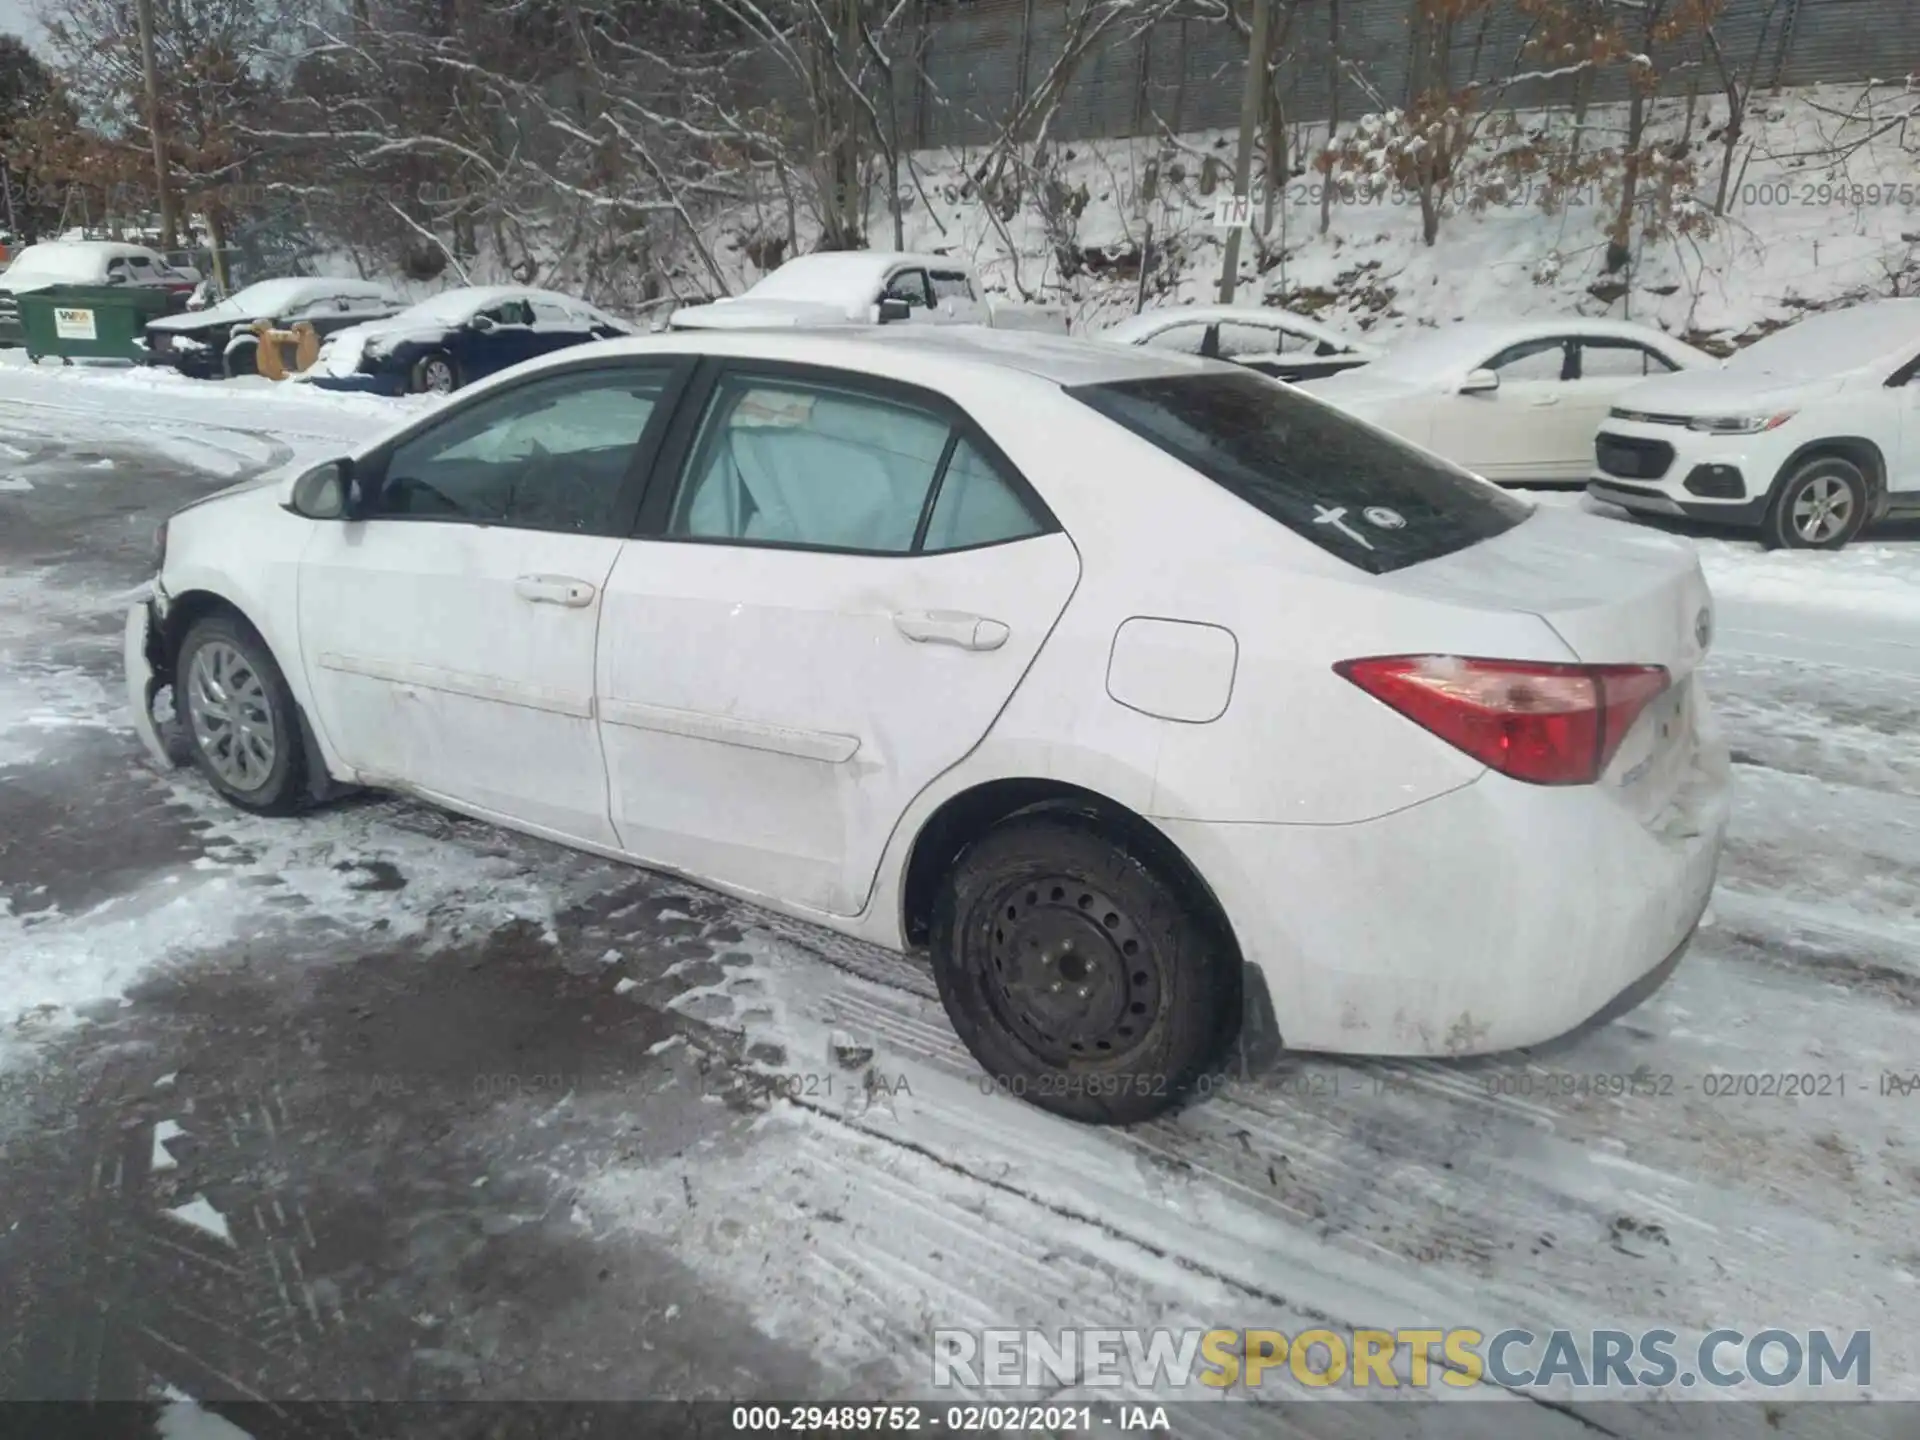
{"type": "Point", "coordinates": [1146, 693]}
{"type": "Point", "coordinates": [1517, 401]}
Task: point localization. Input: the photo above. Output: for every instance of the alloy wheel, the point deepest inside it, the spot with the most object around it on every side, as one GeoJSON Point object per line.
{"type": "Point", "coordinates": [231, 716]}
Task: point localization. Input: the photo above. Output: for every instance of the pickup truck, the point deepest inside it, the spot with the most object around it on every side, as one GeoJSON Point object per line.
{"type": "Point", "coordinates": [867, 287]}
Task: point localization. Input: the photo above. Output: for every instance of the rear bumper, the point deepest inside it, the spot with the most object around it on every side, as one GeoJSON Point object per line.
{"type": "Point", "coordinates": [143, 656]}
{"type": "Point", "coordinates": [1497, 916]}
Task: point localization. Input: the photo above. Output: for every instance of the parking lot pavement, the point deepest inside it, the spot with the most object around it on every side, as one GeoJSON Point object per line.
{"type": "Point", "coordinates": [382, 1103]}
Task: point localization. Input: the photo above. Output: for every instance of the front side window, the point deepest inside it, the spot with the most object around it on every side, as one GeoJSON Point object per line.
{"type": "Point", "coordinates": [550, 455]}
{"type": "Point", "coordinates": [1189, 339]}
{"type": "Point", "coordinates": [510, 312]}
{"type": "Point", "coordinates": [1549, 359]}
{"type": "Point", "coordinates": [910, 286]}
{"type": "Point", "coordinates": [1373, 500]}
{"type": "Point", "coordinates": [783, 462]}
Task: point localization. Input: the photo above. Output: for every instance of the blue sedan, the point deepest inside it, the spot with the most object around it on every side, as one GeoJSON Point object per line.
{"type": "Point", "coordinates": [457, 337]}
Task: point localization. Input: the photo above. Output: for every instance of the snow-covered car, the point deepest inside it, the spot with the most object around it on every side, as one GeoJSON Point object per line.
{"type": "Point", "coordinates": [1274, 342]}
{"type": "Point", "coordinates": [457, 337]}
{"type": "Point", "coordinates": [991, 644]}
{"type": "Point", "coordinates": [1516, 402]}
{"type": "Point", "coordinates": [219, 340]}
{"type": "Point", "coordinates": [1808, 435]}
{"type": "Point", "coordinates": [867, 287]}
{"type": "Point", "coordinates": [81, 262]}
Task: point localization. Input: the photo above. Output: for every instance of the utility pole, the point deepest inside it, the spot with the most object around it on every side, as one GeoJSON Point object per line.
{"type": "Point", "coordinates": [1250, 105]}
{"type": "Point", "coordinates": [152, 79]}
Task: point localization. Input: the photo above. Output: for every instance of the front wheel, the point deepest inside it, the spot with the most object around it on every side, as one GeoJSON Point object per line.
{"type": "Point", "coordinates": [434, 374]}
{"type": "Point", "coordinates": [241, 361]}
{"type": "Point", "coordinates": [1821, 506]}
{"type": "Point", "coordinates": [240, 717]}
{"type": "Point", "coordinates": [1076, 973]}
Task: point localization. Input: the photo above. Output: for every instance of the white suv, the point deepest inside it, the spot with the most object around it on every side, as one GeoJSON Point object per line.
{"type": "Point", "coordinates": [1809, 434]}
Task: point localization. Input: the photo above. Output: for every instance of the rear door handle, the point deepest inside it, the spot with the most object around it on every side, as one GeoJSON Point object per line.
{"type": "Point", "coordinates": [951, 627]}
{"type": "Point", "coordinates": [1542, 401]}
{"type": "Point", "coordinates": [555, 590]}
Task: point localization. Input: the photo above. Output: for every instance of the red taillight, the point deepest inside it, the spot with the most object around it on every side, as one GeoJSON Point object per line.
{"type": "Point", "coordinates": [1542, 723]}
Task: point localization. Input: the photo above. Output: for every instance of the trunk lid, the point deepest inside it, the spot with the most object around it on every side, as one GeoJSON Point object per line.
{"type": "Point", "coordinates": [1615, 595]}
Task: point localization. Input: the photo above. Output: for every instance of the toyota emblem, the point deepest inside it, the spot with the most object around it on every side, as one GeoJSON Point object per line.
{"type": "Point", "coordinates": [1703, 626]}
{"type": "Point", "coordinates": [1381, 518]}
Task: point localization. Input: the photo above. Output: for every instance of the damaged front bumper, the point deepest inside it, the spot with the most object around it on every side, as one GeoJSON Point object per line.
{"type": "Point", "coordinates": [146, 672]}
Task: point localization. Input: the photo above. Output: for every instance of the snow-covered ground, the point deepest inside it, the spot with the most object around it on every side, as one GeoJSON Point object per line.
{"type": "Point", "coordinates": [889, 1194]}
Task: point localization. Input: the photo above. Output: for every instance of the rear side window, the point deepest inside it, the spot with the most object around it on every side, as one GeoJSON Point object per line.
{"type": "Point", "coordinates": [1374, 501]}
{"type": "Point", "coordinates": [951, 285]}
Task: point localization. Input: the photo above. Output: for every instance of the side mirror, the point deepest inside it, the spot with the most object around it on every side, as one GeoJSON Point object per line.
{"type": "Point", "coordinates": [328, 492]}
{"type": "Point", "coordinates": [1481, 382]}
{"type": "Point", "coordinates": [481, 323]}
{"type": "Point", "coordinates": [892, 310]}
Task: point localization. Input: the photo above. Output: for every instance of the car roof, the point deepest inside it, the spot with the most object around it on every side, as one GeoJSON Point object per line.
{"type": "Point", "coordinates": [875, 350]}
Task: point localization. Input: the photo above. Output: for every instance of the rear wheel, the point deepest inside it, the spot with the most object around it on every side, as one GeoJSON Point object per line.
{"type": "Point", "coordinates": [240, 717]}
{"type": "Point", "coordinates": [1820, 506]}
{"type": "Point", "coordinates": [434, 374]}
{"type": "Point", "coordinates": [1077, 974]}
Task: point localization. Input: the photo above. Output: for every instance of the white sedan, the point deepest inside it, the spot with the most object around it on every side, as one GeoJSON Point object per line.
{"type": "Point", "coordinates": [993, 645]}
{"type": "Point", "coordinates": [1517, 402]}
{"type": "Point", "coordinates": [1260, 337]}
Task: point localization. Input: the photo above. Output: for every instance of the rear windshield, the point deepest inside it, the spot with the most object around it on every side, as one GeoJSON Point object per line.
{"type": "Point", "coordinates": [1374, 501]}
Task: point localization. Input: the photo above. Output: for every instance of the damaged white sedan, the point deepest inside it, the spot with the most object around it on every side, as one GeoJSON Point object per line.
{"type": "Point", "coordinates": [1154, 698]}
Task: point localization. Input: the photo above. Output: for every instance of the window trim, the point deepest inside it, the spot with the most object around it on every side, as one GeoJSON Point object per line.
{"type": "Point", "coordinates": [675, 454]}
{"type": "Point", "coordinates": [371, 470]}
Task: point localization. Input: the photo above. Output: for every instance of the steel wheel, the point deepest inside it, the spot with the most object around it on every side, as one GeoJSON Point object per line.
{"type": "Point", "coordinates": [232, 718]}
{"type": "Point", "coordinates": [1822, 509]}
{"type": "Point", "coordinates": [1068, 974]}
{"type": "Point", "coordinates": [1077, 972]}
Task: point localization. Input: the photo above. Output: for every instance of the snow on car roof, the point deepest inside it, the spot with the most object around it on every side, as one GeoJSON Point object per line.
{"type": "Point", "coordinates": [1468, 343]}
{"type": "Point", "coordinates": [267, 297]}
{"type": "Point", "coordinates": [77, 258]}
{"type": "Point", "coordinates": [839, 276]}
{"type": "Point", "coordinates": [1060, 359]}
{"type": "Point", "coordinates": [1136, 328]}
{"type": "Point", "coordinates": [1836, 341]}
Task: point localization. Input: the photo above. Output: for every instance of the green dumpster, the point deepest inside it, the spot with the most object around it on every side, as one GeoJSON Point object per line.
{"type": "Point", "coordinates": [92, 322]}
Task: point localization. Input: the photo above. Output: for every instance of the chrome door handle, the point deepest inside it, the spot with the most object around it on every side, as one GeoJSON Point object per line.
{"type": "Point", "coordinates": [555, 590]}
{"type": "Point", "coordinates": [951, 627]}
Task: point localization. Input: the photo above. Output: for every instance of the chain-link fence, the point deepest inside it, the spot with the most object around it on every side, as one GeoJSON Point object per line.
{"type": "Point", "coordinates": [1187, 74]}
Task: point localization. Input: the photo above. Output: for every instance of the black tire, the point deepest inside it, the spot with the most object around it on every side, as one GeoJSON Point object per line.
{"type": "Point", "coordinates": [1050, 900]}
{"type": "Point", "coordinates": [281, 788]}
{"type": "Point", "coordinates": [241, 360]}
{"type": "Point", "coordinates": [1800, 515]}
{"type": "Point", "coordinates": [418, 381]}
